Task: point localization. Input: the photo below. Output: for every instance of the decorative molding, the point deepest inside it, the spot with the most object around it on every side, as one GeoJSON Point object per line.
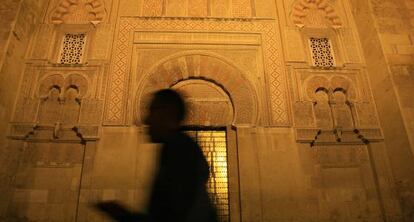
{"type": "Point", "coordinates": [315, 14]}
{"type": "Point", "coordinates": [118, 88]}
{"type": "Point", "coordinates": [197, 38]}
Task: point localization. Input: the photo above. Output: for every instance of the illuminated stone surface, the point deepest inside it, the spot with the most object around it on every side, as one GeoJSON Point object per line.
{"type": "Point", "coordinates": [330, 139]}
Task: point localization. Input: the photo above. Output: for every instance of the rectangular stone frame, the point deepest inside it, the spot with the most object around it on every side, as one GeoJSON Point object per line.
{"type": "Point", "coordinates": [118, 84]}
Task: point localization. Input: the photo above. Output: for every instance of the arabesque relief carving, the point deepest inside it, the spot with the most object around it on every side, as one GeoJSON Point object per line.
{"type": "Point", "coordinates": [215, 78]}
{"type": "Point", "coordinates": [115, 109]}
{"type": "Point", "coordinates": [198, 8]}
{"type": "Point", "coordinates": [79, 12]}
{"type": "Point", "coordinates": [315, 14]}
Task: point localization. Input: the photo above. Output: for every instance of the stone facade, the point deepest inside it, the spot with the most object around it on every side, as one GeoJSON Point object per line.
{"type": "Point", "coordinates": [314, 95]}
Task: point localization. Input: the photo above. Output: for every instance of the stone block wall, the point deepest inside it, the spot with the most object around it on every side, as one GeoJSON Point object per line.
{"type": "Point", "coordinates": [18, 21]}
{"type": "Point", "coordinates": [306, 141]}
{"type": "Point", "coordinates": [386, 33]}
{"type": "Point", "coordinates": [8, 12]}
{"type": "Point", "coordinates": [395, 22]}
{"type": "Point", "coordinates": [27, 15]}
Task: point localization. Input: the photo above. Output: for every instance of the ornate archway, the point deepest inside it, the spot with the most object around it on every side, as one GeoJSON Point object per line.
{"type": "Point", "coordinates": [207, 71]}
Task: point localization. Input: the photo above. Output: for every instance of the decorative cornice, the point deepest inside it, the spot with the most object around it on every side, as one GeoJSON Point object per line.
{"type": "Point", "coordinates": [315, 136]}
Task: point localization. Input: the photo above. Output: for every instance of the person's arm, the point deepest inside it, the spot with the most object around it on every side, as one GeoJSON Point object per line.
{"type": "Point", "coordinates": [118, 212]}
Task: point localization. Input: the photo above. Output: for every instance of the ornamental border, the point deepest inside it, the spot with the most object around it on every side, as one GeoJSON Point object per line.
{"type": "Point", "coordinates": [117, 91]}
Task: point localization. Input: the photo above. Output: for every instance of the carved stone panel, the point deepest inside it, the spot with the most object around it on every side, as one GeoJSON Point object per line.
{"type": "Point", "coordinates": [220, 8]}
{"type": "Point", "coordinates": [336, 98]}
{"type": "Point", "coordinates": [79, 12]}
{"type": "Point", "coordinates": [208, 104]}
{"type": "Point", "coordinates": [115, 112]}
{"type": "Point", "coordinates": [198, 8]}
{"type": "Point", "coordinates": [176, 8]}
{"type": "Point", "coordinates": [52, 105]}
{"type": "Point", "coordinates": [153, 7]}
{"type": "Point", "coordinates": [242, 8]}
{"type": "Point", "coordinates": [61, 99]}
{"type": "Point", "coordinates": [315, 13]}
{"type": "Point", "coordinates": [215, 78]}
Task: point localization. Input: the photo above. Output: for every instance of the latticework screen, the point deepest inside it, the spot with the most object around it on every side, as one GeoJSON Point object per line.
{"type": "Point", "coordinates": [214, 146]}
{"type": "Point", "coordinates": [321, 50]}
{"type": "Point", "coordinates": [72, 49]}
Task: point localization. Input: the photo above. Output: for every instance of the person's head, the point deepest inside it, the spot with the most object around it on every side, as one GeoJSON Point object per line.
{"type": "Point", "coordinates": [166, 112]}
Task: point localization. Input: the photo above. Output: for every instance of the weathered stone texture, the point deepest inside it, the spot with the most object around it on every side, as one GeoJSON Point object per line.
{"type": "Point", "coordinates": [12, 60]}
{"type": "Point", "coordinates": [392, 82]}
{"type": "Point", "coordinates": [8, 13]}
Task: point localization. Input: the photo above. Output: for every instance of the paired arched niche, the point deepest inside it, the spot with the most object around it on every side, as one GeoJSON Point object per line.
{"type": "Point", "coordinates": [216, 91]}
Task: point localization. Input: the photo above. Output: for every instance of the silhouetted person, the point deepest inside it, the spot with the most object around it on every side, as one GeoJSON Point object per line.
{"type": "Point", "coordinates": [179, 191]}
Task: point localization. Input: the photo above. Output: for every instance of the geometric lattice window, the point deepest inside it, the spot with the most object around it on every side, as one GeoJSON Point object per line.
{"type": "Point", "coordinates": [72, 49]}
{"type": "Point", "coordinates": [214, 146]}
{"type": "Point", "coordinates": [321, 51]}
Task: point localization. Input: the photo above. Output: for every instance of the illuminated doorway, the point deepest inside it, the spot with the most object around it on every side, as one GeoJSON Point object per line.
{"type": "Point", "coordinates": [214, 146]}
